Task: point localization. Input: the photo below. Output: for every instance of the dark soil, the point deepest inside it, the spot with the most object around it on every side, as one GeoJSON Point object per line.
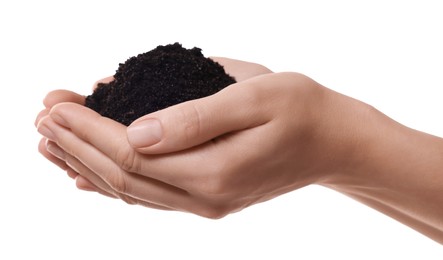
{"type": "Point", "coordinates": [162, 77]}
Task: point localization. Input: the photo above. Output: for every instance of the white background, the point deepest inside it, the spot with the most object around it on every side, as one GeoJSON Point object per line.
{"type": "Point", "coordinates": [386, 53]}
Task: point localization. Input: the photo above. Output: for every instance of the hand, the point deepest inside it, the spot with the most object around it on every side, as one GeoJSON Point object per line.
{"type": "Point", "coordinates": [272, 134]}
{"type": "Point", "coordinates": [241, 70]}
{"type": "Point", "coordinates": [48, 148]}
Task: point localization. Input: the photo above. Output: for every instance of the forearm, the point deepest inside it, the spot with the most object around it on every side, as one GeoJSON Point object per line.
{"type": "Point", "coordinates": [398, 171]}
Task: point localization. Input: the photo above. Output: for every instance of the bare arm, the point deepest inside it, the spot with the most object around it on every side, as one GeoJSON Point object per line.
{"type": "Point", "coordinates": [399, 172]}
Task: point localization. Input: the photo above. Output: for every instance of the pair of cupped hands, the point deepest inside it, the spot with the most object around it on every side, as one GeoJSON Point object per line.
{"type": "Point", "coordinates": [268, 134]}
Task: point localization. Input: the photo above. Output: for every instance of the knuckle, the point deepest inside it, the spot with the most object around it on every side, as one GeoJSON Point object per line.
{"type": "Point", "coordinates": [215, 214]}
{"type": "Point", "coordinates": [215, 186]}
{"type": "Point", "coordinates": [192, 118]}
{"type": "Point", "coordinates": [213, 211]}
{"type": "Point", "coordinates": [127, 199]}
{"type": "Point", "coordinates": [214, 179]}
{"type": "Point", "coordinates": [128, 160]}
{"type": "Point", "coordinates": [118, 183]}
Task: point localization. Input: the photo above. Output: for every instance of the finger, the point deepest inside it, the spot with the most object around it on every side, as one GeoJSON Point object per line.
{"type": "Point", "coordinates": [188, 124]}
{"type": "Point", "coordinates": [71, 173]}
{"type": "Point", "coordinates": [241, 70]}
{"type": "Point", "coordinates": [60, 95]}
{"type": "Point", "coordinates": [103, 81]}
{"type": "Point", "coordinates": [59, 157]}
{"type": "Point", "coordinates": [40, 115]}
{"type": "Point", "coordinates": [55, 157]}
{"type": "Point", "coordinates": [103, 172]}
{"type": "Point", "coordinates": [87, 180]}
{"type": "Point", "coordinates": [42, 148]}
{"type": "Point", "coordinates": [84, 184]}
{"type": "Point", "coordinates": [48, 147]}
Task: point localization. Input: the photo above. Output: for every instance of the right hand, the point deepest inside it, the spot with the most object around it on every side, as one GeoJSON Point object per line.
{"type": "Point", "coordinates": [240, 70]}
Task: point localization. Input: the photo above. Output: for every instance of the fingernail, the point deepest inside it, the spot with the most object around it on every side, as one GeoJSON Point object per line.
{"type": "Point", "coordinates": [44, 130]}
{"type": "Point", "coordinates": [55, 150]}
{"type": "Point", "coordinates": [144, 133]}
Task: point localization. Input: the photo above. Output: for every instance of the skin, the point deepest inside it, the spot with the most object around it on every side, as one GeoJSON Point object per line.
{"type": "Point", "coordinates": [266, 135]}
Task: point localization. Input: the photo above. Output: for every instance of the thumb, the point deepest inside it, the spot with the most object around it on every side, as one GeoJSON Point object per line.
{"type": "Point", "coordinates": [197, 121]}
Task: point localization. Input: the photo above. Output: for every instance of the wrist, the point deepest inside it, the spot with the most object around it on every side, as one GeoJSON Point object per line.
{"type": "Point", "coordinates": [386, 152]}
{"type": "Point", "coordinates": [376, 145]}
{"type": "Point", "coordinates": [345, 131]}
{"type": "Point", "coordinates": [397, 171]}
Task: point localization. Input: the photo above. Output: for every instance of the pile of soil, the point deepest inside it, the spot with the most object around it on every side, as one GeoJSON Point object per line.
{"type": "Point", "coordinates": [162, 77]}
